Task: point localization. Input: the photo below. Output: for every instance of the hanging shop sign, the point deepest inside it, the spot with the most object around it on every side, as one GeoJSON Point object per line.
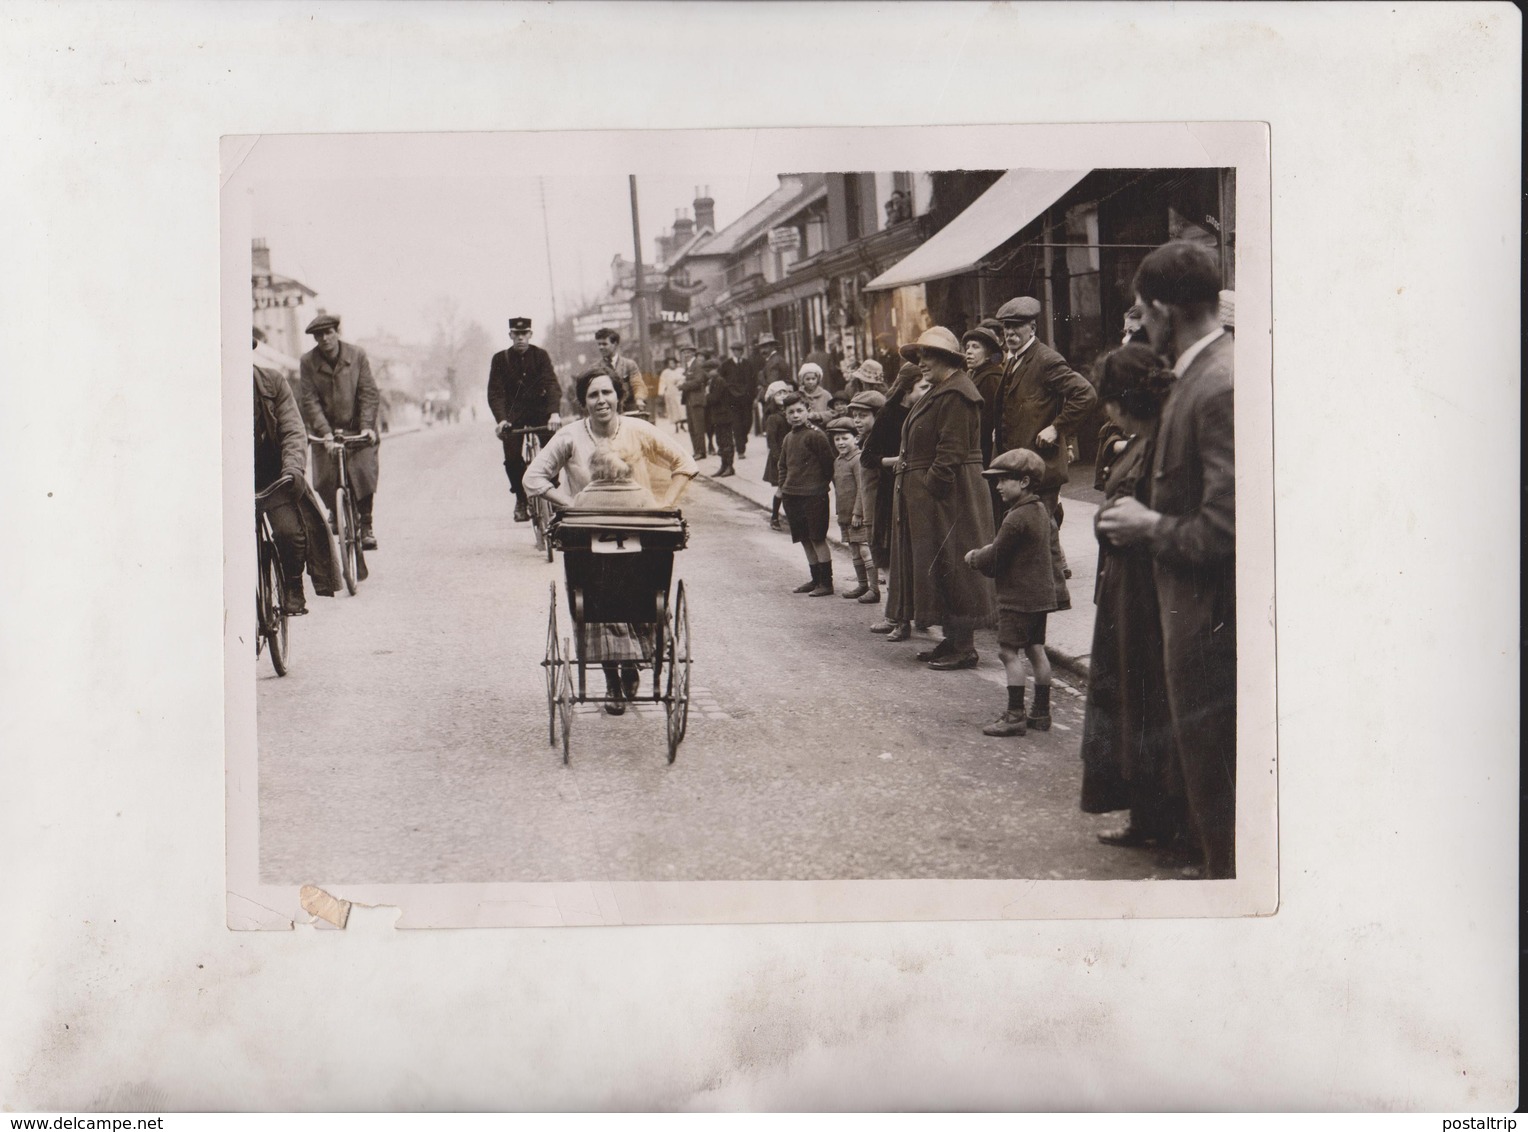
{"type": "Point", "coordinates": [784, 239]}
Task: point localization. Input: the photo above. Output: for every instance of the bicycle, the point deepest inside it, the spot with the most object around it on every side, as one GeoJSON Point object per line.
{"type": "Point", "coordinates": [346, 517]}
{"type": "Point", "coordinates": [540, 509]}
{"type": "Point", "coordinates": [270, 583]}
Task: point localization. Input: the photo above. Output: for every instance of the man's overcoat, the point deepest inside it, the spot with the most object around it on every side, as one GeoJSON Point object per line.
{"type": "Point", "coordinates": [1193, 551]}
{"type": "Point", "coordinates": [1038, 390]}
{"type": "Point", "coordinates": [341, 395]}
{"type": "Point", "coordinates": [275, 402]}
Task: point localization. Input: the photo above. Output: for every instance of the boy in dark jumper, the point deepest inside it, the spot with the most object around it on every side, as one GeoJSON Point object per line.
{"type": "Point", "coordinates": [1024, 559]}
{"type": "Point", "coordinates": [806, 471]}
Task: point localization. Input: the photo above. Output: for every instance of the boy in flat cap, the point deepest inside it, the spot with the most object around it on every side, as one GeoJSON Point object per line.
{"type": "Point", "coordinates": [338, 394]}
{"type": "Point", "coordinates": [1023, 559]}
{"type": "Point", "coordinates": [522, 393]}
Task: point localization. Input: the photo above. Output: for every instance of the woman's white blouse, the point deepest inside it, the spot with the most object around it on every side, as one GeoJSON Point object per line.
{"type": "Point", "coordinates": [638, 443]}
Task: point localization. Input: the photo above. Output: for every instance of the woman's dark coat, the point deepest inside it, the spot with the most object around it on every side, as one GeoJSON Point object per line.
{"type": "Point", "coordinates": [1129, 760]}
{"type": "Point", "coordinates": [884, 439]}
{"type": "Point", "coordinates": [942, 511]}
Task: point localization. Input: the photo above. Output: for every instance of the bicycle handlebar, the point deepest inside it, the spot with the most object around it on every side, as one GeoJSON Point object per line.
{"type": "Point", "coordinates": [344, 439]}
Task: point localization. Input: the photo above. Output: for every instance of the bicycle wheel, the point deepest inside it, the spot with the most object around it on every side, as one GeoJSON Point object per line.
{"type": "Point", "coordinates": [276, 626]}
{"type": "Point", "coordinates": [552, 664]}
{"type": "Point", "coordinates": [678, 699]}
{"type": "Point", "coordinates": [345, 531]}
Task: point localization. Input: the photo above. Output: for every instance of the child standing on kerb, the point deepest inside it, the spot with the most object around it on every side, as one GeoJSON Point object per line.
{"type": "Point", "coordinates": [775, 429]}
{"type": "Point", "coordinates": [1024, 559]}
{"type": "Point", "coordinates": [849, 499]}
{"type": "Point", "coordinates": [806, 471]}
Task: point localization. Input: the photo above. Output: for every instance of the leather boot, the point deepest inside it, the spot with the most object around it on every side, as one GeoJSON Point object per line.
{"type": "Point", "coordinates": [861, 588]}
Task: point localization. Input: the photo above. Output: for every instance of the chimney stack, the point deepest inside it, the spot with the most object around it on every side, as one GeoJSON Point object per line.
{"type": "Point", "coordinates": [260, 257]}
{"type": "Point", "coordinates": [705, 209]}
{"type": "Point", "coordinates": [684, 229]}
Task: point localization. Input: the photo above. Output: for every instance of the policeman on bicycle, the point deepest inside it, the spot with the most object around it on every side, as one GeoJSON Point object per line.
{"type": "Point", "coordinates": [281, 450]}
{"type": "Point", "coordinates": [338, 394]}
{"type": "Point", "coordinates": [522, 393]}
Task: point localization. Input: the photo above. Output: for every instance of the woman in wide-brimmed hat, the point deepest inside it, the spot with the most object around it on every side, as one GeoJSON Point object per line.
{"type": "Point", "coordinates": [942, 506]}
{"type": "Point", "coordinates": [869, 375]}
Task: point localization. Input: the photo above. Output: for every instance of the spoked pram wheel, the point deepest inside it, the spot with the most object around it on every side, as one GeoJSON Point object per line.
{"type": "Point", "coordinates": [677, 650]}
{"type": "Point", "coordinates": [553, 665]}
{"type": "Point", "coordinates": [565, 697]}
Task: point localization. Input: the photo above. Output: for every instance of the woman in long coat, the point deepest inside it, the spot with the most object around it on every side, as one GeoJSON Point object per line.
{"type": "Point", "coordinates": [1128, 753]}
{"type": "Point", "coordinates": [943, 507]}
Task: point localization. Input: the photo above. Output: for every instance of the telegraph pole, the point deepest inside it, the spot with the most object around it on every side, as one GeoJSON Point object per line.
{"type": "Point", "coordinates": [546, 233]}
{"type": "Point", "coordinates": [639, 297]}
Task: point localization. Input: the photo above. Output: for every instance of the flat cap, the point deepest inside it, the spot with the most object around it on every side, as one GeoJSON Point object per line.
{"type": "Point", "coordinates": [868, 399]}
{"type": "Point", "coordinates": [323, 322]}
{"type": "Point", "coordinates": [1022, 309]}
{"type": "Point", "coordinates": [519, 324]}
{"type": "Point", "coordinates": [1015, 462]}
{"type": "Point", "coordinates": [842, 424]}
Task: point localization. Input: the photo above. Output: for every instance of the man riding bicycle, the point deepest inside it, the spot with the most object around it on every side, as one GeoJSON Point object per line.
{"type": "Point", "coordinates": [522, 393]}
{"type": "Point", "coordinates": [280, 450]}
{"type": "Point", "coordinates": [338, 394]}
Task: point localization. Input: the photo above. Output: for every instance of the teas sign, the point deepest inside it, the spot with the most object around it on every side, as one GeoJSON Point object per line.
{"type": "Point", "coordinates": [674, 307]}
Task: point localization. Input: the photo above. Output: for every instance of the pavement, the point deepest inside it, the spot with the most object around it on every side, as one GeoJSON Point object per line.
{"type": "Point", "coordinates": [1069, 633]}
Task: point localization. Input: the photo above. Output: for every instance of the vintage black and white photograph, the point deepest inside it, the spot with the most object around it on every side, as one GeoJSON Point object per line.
{"type": "Point", "coordinates": [643, 510]}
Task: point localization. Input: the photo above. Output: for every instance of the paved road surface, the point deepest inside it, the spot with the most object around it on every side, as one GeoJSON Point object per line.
{"type": "Point", "coordinates": [409, 743]}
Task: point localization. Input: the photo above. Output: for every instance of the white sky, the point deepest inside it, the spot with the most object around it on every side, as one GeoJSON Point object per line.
{"type": "Point", "coordinates": [382, 252]}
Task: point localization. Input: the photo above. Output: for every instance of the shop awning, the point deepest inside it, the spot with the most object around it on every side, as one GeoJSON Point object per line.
{"type": "Point", "coordinates": [1016, 198]}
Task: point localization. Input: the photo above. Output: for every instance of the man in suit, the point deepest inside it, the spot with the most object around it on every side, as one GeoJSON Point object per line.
{"type": "Point", "coordinates": [737, 374]}
{"type": "Point", "coordinates": [338, 394]}
{"type": "Point", "coordinates": [774, 367]}
{"type": "Point", "coordinates": [523, 392]}
{"type": "Point", "coordinates": [1189, 526]}
{"type": "Point", "coordinates": [693, 389]}
{"type": "Point", "coordinates": [719, 412]}
{"type": "Point", "coordinates": [626, 374]}
{"type": "Point", "coordinates": [1040, 399]}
